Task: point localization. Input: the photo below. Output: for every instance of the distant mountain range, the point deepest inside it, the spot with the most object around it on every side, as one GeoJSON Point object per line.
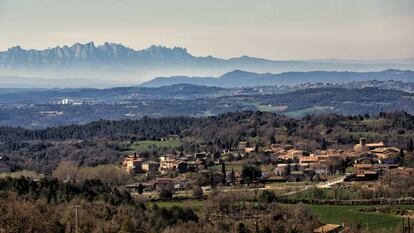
{"type": "Point", "coordinates": [239, 78]}
{"type": "Point", "coordinates": [89, 54]}
{"type": "Point", "coordinates": [119, 64]}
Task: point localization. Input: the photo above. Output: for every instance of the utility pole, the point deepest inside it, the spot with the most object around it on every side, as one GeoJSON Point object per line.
{"type": "Point", "coordinates": [76, 217]}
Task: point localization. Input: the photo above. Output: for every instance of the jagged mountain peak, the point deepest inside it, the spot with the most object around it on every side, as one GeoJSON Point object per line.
{"type": "Point", "coordinates": [158, 51]}
{"type": "Point", "coordinates": [87, 59]}
{"type": "Point", "coordinates": [15, 48]}
{"type": "Point", "coordinates": [89, 53]}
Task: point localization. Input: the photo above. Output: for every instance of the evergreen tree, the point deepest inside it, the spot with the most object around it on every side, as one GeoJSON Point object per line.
{"type": "Point", "coordinates": [323, 144]}
{"type": "Point", "coordinates": [402, 155]}
{"type": "Point", "coordinates": [410, 147]}
{"type": "Point", "coordinates": [232, 177]}
{"type": "Point", "coordinates": [223, 171]}
{"type": "Point", "coordinates": [212, 179]}
{"type": "Point", "coordinates": [140, 189]}
{"type": "Point", "coordinates": [251, 173]}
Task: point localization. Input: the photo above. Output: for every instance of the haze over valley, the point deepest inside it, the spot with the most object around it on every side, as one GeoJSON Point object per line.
{"type": "Point", "coordinates": [112, 64]}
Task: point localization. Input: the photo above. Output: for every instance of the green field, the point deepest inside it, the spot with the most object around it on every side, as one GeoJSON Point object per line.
{"type": "Point", "coordinates": [267, 108]}
{"type": "Point", "coordinates": [352, 215]}
{"type": "Point", "coordinates": [194, 204]}
{"type": "Point", "coordinates": [305, 111]}
{"type": "Point", "coordinates": [141, 146]}
{"type": "Point", "coordinates": [328, 214]}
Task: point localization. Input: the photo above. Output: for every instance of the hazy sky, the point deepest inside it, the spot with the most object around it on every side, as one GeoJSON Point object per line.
{"type": "Point", "coordinates": [289, 29]}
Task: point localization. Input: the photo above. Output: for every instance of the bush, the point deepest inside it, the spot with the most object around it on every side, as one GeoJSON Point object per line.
{"type": "Point", "coordinates": [267, 196]}
{"type": "Point", "coordinates": [166, 193]}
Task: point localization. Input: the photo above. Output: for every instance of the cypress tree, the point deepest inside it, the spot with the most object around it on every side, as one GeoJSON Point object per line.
{"type": "Point", "coordinates": [140, 189]}
{"type": "Point", "coordinates": [223, 170]}
{"type": "Point", "coordinates": [410, 147]}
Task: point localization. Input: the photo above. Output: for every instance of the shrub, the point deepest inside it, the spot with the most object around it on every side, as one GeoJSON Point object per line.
{"type": "Point", "coordinates": [267, 196]}
{"type": "Point", "coordinates": [166, 193]}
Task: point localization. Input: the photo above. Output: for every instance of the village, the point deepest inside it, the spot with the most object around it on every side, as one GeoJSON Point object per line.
{"type": "Point", "coordinates": [365, 162]}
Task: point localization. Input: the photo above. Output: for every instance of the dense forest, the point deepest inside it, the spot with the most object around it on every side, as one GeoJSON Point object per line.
{"type": "Point", "coordinates": [101, 142]}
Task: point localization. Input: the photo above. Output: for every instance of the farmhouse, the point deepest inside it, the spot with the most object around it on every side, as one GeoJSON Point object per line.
{"type": "Point", "coordinates": [133, 164]}
{"type": "Point", "coordinates": [173, 165]}
{"type": "Point", "coordinates": [365, 172]}
{"type": "Point", "coordinates": [150, 166]}
{"type": "Point", "coordinates": [386, 152]}
{"type": "Point", "coordinates": [308, 160]}
{"type": "Point", "coordinates": [364, 147]}
{"type": "Point", "coordinates": [165, 184]}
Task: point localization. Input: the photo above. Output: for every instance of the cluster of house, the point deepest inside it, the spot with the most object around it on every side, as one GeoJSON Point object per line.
{"type": "Point", "coordinates": [297, 165]}
{"type": "Point", "coordinates": [180, 183]}
{"type": "Point", "coordinates": [374, 159]}
{"type": "Point", "coordinates": [135, 164]}
{"type": "Point", "coordinates": [369, 161]}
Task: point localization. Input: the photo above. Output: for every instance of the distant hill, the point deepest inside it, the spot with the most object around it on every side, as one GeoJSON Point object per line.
{"type": "Point", "coordinates": [112, 61]}
{"type": "Point", "coordinates": [240, 78]}
{"type": "Point", "coordinates": [39, 109]}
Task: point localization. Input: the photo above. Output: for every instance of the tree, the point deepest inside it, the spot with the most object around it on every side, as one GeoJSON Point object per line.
{"type": "Point", "coordinates": [66, 171]}
{"type": "Point", "coordinates": [267, 196]}
{"type": "Point", "coordinates": [287, 170]}
{"type": "Point", "coordinates": [128, 226]}
{"type": "Point", "coordinates": [241, 228]}
{"type": "Point", "coordinates": [410, 147]}
{"type": "Point", "coordinates": [401, 157]}
{"type": "Point", "coordinates": [165, 193]}
{"type": "Point", "coordinates": [223, 170]}
{"type": "Point", "coordinates": [323, 144]}
{"type": "Point", "coordinates": [211, 179]}
{"type": "Point", "coordinates": [318, 193]}
{"type": "Point", "coordinates": [251, 173]}
{"type": "Point", "coordinates": [24, 216]}
{"type": "Point", "coordinates": [140, 188]}
{"type": "Point", "coordinates": [232, 177]}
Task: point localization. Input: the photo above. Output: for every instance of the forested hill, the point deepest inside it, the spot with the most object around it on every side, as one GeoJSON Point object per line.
{"type": "Point", "coordinates": [155, 128]}
{"type": "Point", "coordinates": [102, 142]}
{"type": "Point", "coordinates": [142, 128]}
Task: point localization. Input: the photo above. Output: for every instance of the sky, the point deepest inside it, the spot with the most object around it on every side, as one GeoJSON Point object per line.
{"type": "Point", "coordinates": [273, 29]}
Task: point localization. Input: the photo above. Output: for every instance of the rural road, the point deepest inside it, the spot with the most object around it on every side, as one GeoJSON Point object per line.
{"type": "Point", "coordinates": [325, 184]}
